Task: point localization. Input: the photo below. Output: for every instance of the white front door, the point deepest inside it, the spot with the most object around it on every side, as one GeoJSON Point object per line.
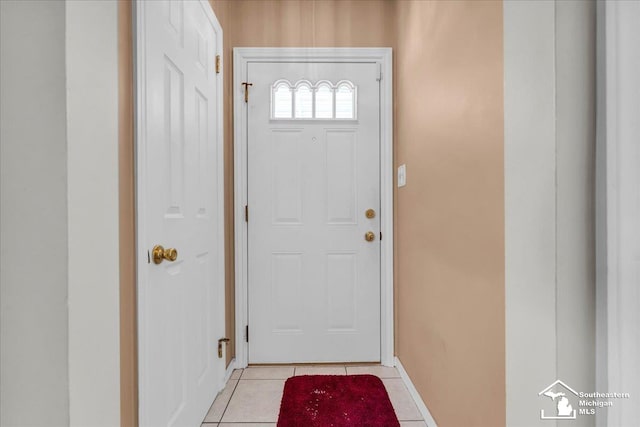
{"type": "Point", "coordinates": [181, 301]}
{"type": "Point", "coordinates": [313, 173]}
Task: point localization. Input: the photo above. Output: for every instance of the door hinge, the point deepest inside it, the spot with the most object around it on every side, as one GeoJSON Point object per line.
{"type": "Point", "coordinates": [246, 213]}
{"type": "Point", "coordinates": [246, 333]}
{"type": "Point", "coordinates": [381, 235]}
{"type": "Point", "coordinates": [217, 64]}
{"type": "Point", "coordinates": [221, 341]}
{"type": "Point", "coordinates": [246, 90]}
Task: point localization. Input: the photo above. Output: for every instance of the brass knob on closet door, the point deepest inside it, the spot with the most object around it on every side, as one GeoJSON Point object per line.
{"type": "Point", "coordinates": [369, 236]}
{"type": "Point", "coordinates": [159, 254]}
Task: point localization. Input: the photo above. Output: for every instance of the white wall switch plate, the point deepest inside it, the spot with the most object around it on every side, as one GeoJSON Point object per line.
{"type": "Point", "coordinates": [402, 175]}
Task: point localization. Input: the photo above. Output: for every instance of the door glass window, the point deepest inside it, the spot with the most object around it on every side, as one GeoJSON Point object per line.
{"type": "Point", "coordinates": [324, 101]}
{"type": "Point", "coordinates": [320, 101]}
{"type": "Point", "coordinates": [345, 101]}
{"type": "Point", "coordinates": [303, 101]}
{"type": "Point", "coordinates": [282, 105]}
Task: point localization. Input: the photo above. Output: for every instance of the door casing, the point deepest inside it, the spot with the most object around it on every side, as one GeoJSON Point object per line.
{"type": "Point", "coordinates": [381, 56]}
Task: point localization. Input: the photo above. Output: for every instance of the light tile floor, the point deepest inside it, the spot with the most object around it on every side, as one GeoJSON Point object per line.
{"type": "Point", "coordinates": [252, 396]}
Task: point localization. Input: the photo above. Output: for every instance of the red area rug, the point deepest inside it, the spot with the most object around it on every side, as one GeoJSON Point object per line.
{"type": "Point", "coordinates": [336, 401]}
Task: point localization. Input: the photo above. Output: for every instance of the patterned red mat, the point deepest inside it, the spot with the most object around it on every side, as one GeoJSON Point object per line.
{"type": "Point", "coordinates": [336, 401]}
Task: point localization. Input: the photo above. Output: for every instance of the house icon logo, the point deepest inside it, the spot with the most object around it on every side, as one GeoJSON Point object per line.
{"type": "Point", "coordinates": [558, 392]}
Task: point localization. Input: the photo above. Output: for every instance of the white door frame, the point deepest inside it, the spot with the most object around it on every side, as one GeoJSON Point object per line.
{"type": "Point", "coordinates": [381, 56]}
{"type": "Point", "coordinates": [140, 152]}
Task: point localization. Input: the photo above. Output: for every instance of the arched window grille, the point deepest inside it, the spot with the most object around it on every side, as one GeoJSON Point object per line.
{"type": "Point", "coordinates": [320, 101]}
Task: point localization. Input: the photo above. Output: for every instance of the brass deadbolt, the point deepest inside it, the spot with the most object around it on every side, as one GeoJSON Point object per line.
{"type": "Point", "coordinates": [370, 213]}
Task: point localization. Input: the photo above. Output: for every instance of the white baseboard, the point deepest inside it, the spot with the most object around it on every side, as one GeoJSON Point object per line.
{"type": "Point", "coordinates": [428, 419]}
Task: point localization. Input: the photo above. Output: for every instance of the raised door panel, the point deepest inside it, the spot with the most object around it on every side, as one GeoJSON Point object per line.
{"type": "Point", "coordinates": [341, 171]}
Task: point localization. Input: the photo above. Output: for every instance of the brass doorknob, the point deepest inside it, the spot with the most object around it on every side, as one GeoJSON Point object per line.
{"type": "Point", "coordinates": [160, 254]}
{"type": "Point", "coordinates": [369, 236]}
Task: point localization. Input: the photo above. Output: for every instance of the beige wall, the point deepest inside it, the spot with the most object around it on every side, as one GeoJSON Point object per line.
{"type": "Point", "coordinates": [450, 328]}
{"type": "Point", "coordinates": [299, 23]}
{"type": "Point", "coordinates": [449, 120]}
{"type": "Point", "coordinates": [304, 23]}
{"type": "Point", "coordinates": [128, 302]}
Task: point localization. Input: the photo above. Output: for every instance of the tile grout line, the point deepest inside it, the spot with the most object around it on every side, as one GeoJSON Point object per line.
{"type": "Point", "coordinates": [230, 397]}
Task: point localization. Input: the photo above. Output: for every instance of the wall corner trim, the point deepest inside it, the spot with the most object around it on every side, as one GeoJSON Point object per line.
{"type": "Point", "coordinates": [422, 407]}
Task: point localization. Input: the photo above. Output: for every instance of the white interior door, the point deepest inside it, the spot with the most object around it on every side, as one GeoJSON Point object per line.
{"type": "Point", "coordinates": [180, 302]}
{"type": "Point", "coordinates": [313, 173]}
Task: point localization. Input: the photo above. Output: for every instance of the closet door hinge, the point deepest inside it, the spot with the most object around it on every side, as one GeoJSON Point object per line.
{"type": "Point", "coordinates": [217, 64]}
{"type": "Point", "coordinates": [246, 333]}
{"type": "Point", "coordinates": [246, 213]}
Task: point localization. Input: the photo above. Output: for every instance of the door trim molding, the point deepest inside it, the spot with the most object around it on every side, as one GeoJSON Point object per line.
{"type": "Point", "coordinates": [382, 56]}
